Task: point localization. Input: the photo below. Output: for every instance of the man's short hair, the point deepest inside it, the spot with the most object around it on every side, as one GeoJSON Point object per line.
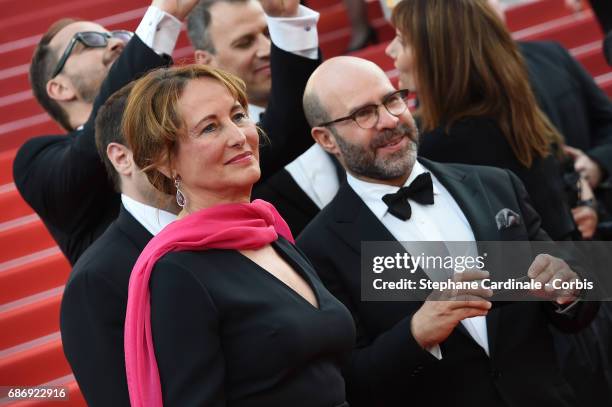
{"type": "Point", "coordinates": [198, 23]}
{"type": "Point", "coordinates": [109, 130]}
{"type": "Point", "coordinates": [41, 67]}
{"type": "Point", "coordinates": [313, 109]}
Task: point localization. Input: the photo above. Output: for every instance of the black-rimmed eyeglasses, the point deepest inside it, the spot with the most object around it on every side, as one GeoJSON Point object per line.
{"type": "Point", "coordinates": [90, 39]}
{"type": "Point", "coordinates": [367, 117]}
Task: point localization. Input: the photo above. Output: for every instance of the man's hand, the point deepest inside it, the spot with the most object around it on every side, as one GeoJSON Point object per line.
{"type": "Point", "coordinates": [546, 269]}
{"type": "Point", "coordinates": [442, 311]}
{"type": "Point", "coordinates": [585, 166]}
{"type": "Point", "coordinates": [280, 8]}
{"type": "Point", "coordinates": [177, 8]}
{"type": "Point", "coordinates": [586, 219]}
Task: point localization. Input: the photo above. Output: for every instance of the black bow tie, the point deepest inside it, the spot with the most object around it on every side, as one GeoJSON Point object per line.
{"type": "Point", "coordinates": [420, 190]}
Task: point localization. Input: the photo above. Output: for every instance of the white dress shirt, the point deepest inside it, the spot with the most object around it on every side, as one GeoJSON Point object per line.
{"type": "Point", "coordinates": [297, 34]}
{"type": "Point", "coordinates": [442, 221]}
{"type": "Point", "coordinates": [159, 30]}
{"type": "Point", "coordinates": [316, 174]}
{"type": "Point", "coordinates": [153, 219]}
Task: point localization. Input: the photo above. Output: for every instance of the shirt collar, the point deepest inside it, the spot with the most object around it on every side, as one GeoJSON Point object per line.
{"type": "Point", "coordinates": [255, 111]}
{"type": "Point", "coordinates": [153, 219]}
{"type": "Point", "coordinates": [372, 193]}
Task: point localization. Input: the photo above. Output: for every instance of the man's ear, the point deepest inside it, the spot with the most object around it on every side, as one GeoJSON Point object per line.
{"type": "Point", "coordinates": [121, 158]}
{"type": "Point", "coordinates": [325, 139]}
{"type": "Point", "coordinates": [61, 89]}
{"type": "Point", "coordinates": [204, 57]}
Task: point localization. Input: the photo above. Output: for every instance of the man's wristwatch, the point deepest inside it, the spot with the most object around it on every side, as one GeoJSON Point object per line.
{"type": "Point", "coordinates": [591, 203]}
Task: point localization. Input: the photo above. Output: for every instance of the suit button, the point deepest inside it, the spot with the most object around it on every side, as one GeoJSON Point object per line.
{"type": "Point", "coordinates": [495, 374]}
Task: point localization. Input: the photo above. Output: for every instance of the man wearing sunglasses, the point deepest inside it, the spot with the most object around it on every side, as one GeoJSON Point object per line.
{"type": "Point", "coordinates": [74, 68]}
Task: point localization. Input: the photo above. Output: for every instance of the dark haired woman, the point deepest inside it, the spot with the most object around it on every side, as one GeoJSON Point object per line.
{"type": "Point", "coordinates": [475, 102]}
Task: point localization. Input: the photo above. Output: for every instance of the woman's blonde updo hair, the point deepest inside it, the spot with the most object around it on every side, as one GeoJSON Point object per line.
{"type": "Point", "coordinates": [152, 124]}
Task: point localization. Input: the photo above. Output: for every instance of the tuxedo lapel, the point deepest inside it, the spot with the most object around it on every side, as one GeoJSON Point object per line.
{"type": "Point", "coordinates": [354, 222]}
{"type": "Point", "coordinates": [467, 190]}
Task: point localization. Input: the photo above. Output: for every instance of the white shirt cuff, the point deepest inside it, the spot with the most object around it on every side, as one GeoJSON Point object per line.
{"type": "Point", "coordinates": [298, 34]}
{"type": "Point", "coordinates": [159, 30]}
{"type": "Point", "coordinates": [435, 351]}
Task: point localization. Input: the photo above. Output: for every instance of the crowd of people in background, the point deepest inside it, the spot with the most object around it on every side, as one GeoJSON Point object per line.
{"type": "Point", "coordinates": [214, 213]}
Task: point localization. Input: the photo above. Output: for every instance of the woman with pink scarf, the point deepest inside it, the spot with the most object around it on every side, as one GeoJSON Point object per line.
{"type": "Point", "coordinates": [223, 310]}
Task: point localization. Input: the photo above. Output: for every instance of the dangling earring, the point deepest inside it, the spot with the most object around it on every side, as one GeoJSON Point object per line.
{"type": "Point", "coordinates": [180, 197]}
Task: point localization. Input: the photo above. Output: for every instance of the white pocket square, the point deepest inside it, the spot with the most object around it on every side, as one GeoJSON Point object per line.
{"type": "Point", "coordinates": [506, 218]}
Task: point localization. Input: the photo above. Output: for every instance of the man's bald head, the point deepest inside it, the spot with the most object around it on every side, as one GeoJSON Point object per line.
{"type": "Point", "coordinates": [383, 148]}
{"type": "Point", "coordinates": [335, 80]}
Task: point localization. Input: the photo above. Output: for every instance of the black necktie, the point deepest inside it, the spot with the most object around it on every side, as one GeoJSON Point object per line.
{"type": "Point", "coordinates": [420, 190]}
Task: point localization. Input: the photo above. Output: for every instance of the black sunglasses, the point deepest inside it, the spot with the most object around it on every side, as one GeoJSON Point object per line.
{"type": "Point", "coordinates": [90, 39]}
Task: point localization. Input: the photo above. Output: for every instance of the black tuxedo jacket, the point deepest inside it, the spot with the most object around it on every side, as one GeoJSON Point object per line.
{"type": "Point", "coordinates": [290, 200]}
{"type": "Point", "coordinates": [569, 96]}
{"type": "Point", "coordinates": [62, 177]}
{"type": "Point", "coordinates": [388, 367]}
{"type": "Point", "coordinates": [93, 311]}
{"type": "Point", "coordinates": [294, 205]}
{"type": "Point", "coordinates": [64, 180]}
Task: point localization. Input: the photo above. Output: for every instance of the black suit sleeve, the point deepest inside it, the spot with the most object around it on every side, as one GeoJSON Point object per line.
{"type": "Point", "coordinates": [583, 313]}
{"type": "Point", "coordinates": [62, 178]}
{"type": "Point", "coordinates": [376, 365]}
{"type": "Point", "coordinates": [185, 330]}
{"type": "Point", "coordinates": [91, 322]}
{"type": "Point", "coordinates": [284, 121]}
{"type": "Point", "coordinates": [533, 222]}
{"type": "Point", "coordinates": [599, 109]}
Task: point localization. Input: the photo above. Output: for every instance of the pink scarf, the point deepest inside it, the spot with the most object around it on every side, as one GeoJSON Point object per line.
{"type": "Point", "coordinates": [231, 226]}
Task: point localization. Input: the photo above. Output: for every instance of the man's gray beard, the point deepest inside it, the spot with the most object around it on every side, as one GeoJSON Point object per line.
{"type": "Point", "coordinates": [364, 162]}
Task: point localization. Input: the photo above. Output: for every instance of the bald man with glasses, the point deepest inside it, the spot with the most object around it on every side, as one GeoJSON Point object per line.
{"type": "Point", "coordinates": [416, 353]}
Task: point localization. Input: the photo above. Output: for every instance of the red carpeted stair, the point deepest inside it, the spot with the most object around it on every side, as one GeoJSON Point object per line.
{"type": "Point", "coordinates": [33, 271]}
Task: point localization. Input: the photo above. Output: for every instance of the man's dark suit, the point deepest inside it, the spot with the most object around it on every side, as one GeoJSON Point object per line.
{"type": "Point", "coordinates": [93, 311]}
{"type": "Point", "coordinates": [569, 96]}
{"type": "Point", "coordinates": [388, 367]}
{"type": "Point", "coordinates": [63, 179]}
{"type": "Point", "coordinates": [294, 205]}
{"type": "Point", "coordinates": [290, 200]}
